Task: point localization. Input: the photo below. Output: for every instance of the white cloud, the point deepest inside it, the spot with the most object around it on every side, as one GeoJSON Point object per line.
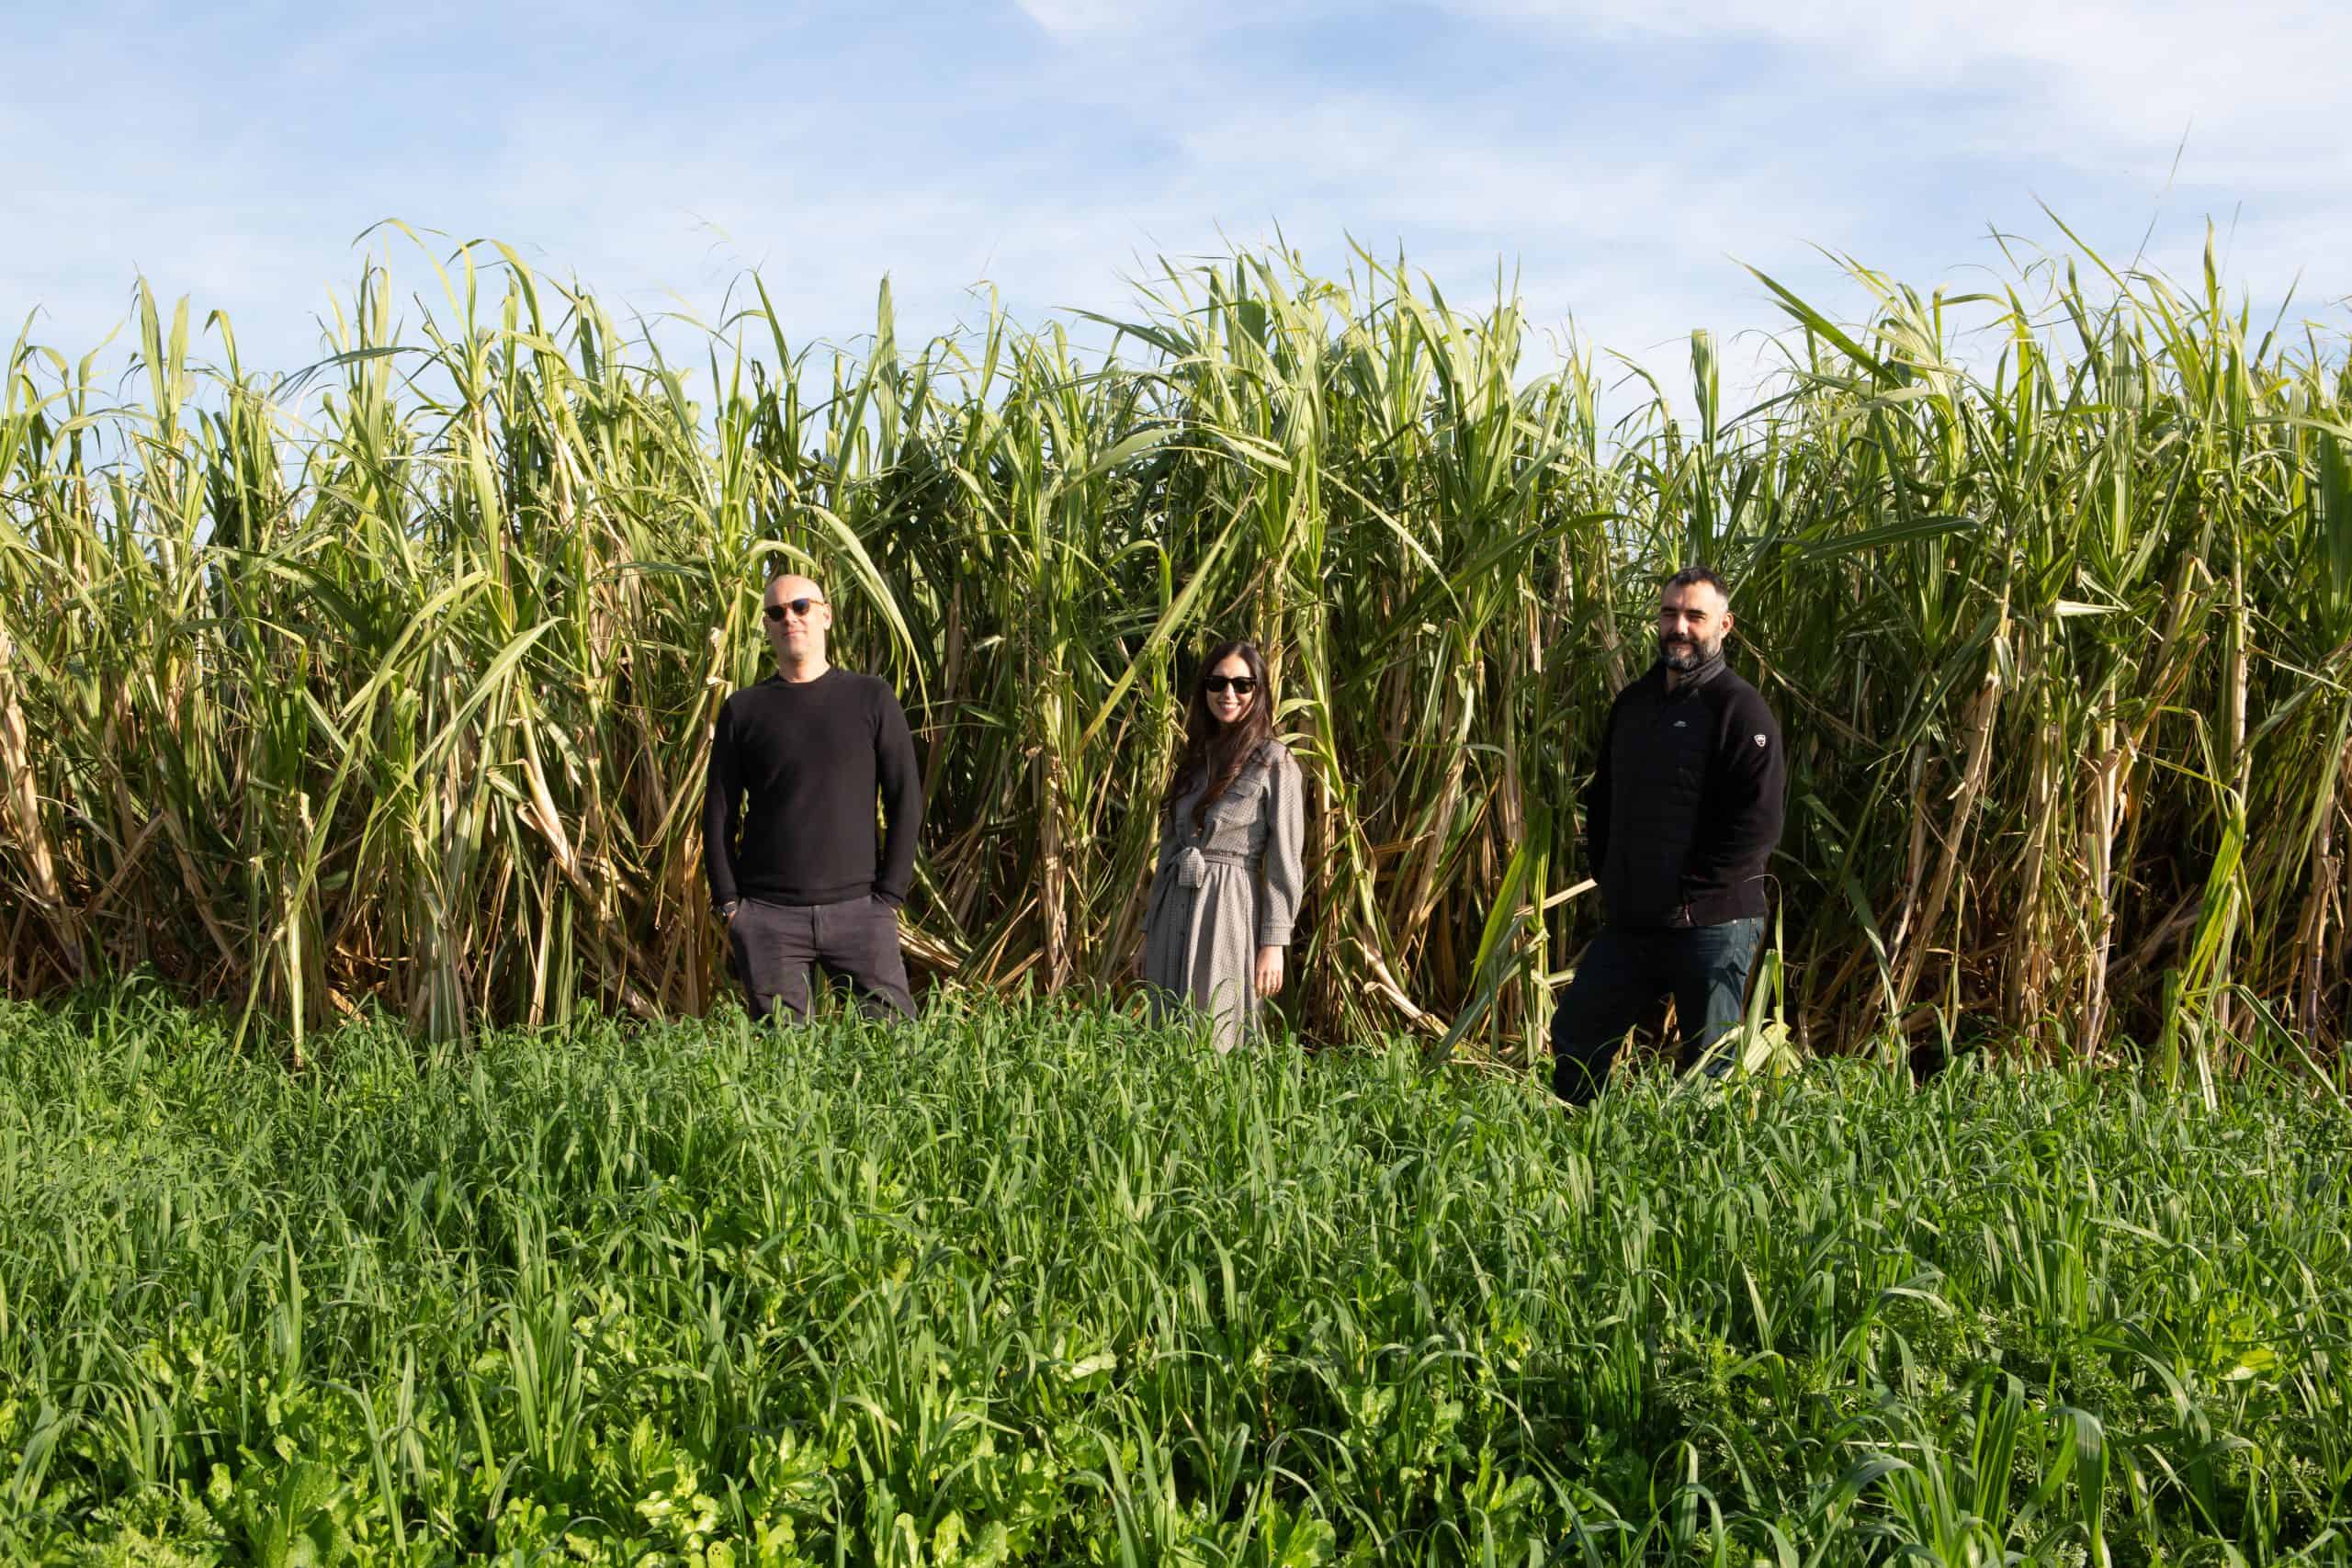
{"type": "Point", "coordinates": [1067, 18]}
{"type": "Point", "coordinates": [2106, 73]}
{"type": "Point", "coordinates": [1167, 24]}
{"type": "Point", "coordinates": [1599, 153]}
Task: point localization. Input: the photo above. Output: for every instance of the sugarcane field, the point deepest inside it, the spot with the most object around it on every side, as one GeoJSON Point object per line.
{"type": "Point", "coordinates": [855, 825]}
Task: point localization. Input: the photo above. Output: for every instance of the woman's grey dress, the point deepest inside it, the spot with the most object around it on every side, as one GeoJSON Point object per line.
{"type": "Point", "coordinates": [1222, 893]}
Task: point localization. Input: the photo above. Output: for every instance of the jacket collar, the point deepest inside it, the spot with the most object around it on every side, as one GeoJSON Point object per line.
{"type": "Point", "coordinates": [1686, 680]}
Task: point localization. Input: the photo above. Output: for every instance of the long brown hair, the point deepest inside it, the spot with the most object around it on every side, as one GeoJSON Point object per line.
{"type": "Point", "coordinates": [1219, 752]}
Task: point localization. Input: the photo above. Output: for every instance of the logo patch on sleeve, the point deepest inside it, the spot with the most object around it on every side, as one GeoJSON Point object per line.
{"type": "Point", "coordinates": [1759, 740]}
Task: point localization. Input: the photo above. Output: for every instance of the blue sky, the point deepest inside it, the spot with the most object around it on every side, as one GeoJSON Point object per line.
{"type": "Point", "coordinates": [1622, 156]}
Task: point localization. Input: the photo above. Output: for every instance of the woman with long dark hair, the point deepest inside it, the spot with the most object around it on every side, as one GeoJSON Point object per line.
{"type": "Point", "coordinates": [1232, 821]}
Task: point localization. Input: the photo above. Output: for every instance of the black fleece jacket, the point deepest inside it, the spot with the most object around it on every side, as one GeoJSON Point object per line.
{"type": "Point", "coordinates": [1684, 806]}
{"type": "Point", "coordinates": [794, 767]}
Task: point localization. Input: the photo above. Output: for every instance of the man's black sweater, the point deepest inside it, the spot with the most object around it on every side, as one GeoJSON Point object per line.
{"type": "Point", "coordinates": [795, 766]}
{"type": "Point", "coordinates": [1684, 805]}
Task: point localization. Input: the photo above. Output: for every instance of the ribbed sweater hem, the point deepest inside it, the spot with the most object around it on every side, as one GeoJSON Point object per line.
{"type": "Point", "coordinates": [800, 897]}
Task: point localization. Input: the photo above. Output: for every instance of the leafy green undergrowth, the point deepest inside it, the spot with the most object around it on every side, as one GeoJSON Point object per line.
{"type": "Point", "coordinates": [1044, 1286]}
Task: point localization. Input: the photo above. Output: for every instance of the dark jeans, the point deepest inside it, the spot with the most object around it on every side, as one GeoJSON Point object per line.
{"type": "Point", "coordinates": [1622, 975]}
{"type": "Point", "coordinates": [774, 944]}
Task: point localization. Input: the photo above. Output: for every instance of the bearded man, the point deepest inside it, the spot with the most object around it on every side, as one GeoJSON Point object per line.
{"type": "Point", "coordinates": [1681, 814]}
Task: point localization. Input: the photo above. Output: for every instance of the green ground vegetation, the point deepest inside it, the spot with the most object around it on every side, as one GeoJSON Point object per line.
{"type": "Point", "coordinates": [1033, 1284]}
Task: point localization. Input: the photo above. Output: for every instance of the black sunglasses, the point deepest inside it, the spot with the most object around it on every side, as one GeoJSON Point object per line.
{"type": "Point", "coordinates": [799, 608]}
{"type": "Point", "coordinates": [1240, 684]}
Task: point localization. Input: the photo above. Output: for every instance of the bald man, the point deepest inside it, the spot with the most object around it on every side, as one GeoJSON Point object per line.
{"type": "Point", "coordinates": [788, 819]}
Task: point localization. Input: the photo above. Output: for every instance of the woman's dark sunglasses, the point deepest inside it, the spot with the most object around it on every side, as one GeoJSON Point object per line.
{"type": "Point", "coordinates": [799, 608]}
{"type": "Point", "coordinates": [1241, 685]}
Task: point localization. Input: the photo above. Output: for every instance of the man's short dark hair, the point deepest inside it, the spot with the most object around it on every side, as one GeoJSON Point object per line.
{"type": "Point", "coordinates": [1690, 576]}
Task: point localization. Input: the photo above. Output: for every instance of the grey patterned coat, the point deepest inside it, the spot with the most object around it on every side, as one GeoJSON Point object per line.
{"type": "Point", "coordinates": [1221, 894]}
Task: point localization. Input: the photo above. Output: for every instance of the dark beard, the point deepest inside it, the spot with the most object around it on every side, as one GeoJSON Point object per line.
{"type": "Point", "coordinates": [1684, 660]}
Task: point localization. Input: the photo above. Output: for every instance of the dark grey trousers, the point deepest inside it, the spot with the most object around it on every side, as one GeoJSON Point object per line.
{"type": "Point", "coordinates": [858, 941]}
